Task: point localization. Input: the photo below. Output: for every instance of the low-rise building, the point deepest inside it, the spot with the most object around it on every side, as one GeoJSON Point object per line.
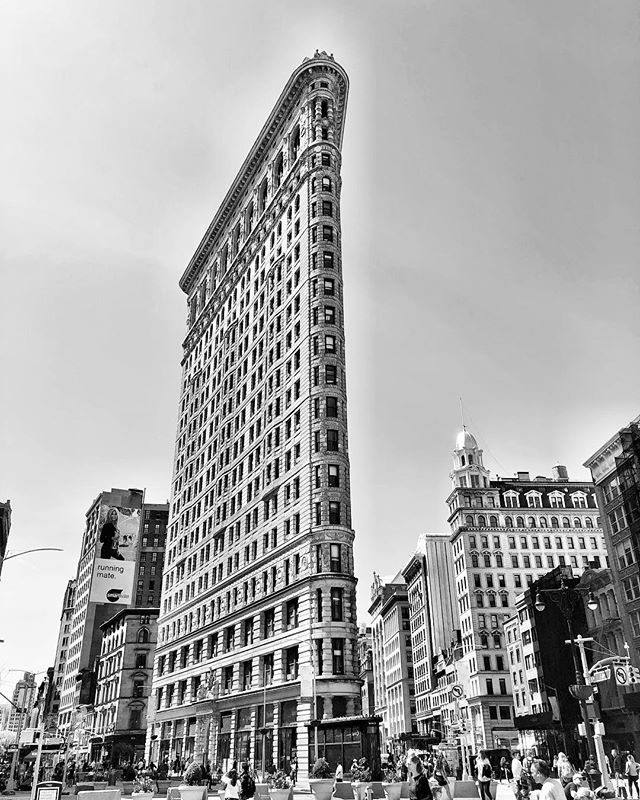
{"type": "Point", "coordinates": [125, 671]}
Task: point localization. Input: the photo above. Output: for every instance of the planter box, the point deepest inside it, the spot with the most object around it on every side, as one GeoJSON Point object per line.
{"type": "Point", "coordinates": [360, 788]}
{"type": "Point", "coordinates": [322, 788]}
{"type": "Point", "coordinates": [127, 787]}
{"type": "Point", "coordinates": [279, 794]}
{"type": "Point", "coordinates": [393, 791]}
{"type": "Point", "coordinates": [192, 792]}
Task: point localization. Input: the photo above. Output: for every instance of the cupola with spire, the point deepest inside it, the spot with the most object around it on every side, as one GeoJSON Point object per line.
{"type": "Point", "coordinates": [468, 469]}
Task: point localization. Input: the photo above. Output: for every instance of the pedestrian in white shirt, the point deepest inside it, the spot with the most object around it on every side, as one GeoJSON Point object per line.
{"type": "Point", "coordinates": [551, 788]}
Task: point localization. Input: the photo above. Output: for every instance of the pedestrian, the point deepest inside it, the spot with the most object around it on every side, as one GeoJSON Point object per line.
{"type": "Point", "coordinates": [565, 769]}
{"type": "Point", "coordinates": [419, 788]}
{"type": "Point", "coordinates": [440, 773]}
{"type": "Point", "coordinates": [504, 769]}
{"type": "Point", "coordinates": [231, 784]}
{"type": "Point", "coordinates": [294, 770]}
{"type": "Point", "coordinates": [579, 782]}
{"type": "Point", "coordinates": [484, 773]}
{"type": "Point", "coordinates": [551, 788]}
{"type": "Point", "coordinates": [339, 774]}
{"type": "Point", "coordinates": [631, 772]}
{"type": "Point", "coordinates": [247, 783]}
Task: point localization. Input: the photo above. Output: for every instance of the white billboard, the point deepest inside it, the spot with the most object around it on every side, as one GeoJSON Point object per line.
{"type": "Point", "coordinates": [116, 551]}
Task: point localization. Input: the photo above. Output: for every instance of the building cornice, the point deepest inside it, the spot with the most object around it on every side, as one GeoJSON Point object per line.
{"type": "Point", "coordinates": [306, 72]}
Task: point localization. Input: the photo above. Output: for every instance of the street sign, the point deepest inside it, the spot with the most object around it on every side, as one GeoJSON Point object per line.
{"type": "Point", "coordinates": [601, 675]}
{"type": "Point", "coordinates": [457, 691]}
{"type": "Point", "coordinates": [622, 676]}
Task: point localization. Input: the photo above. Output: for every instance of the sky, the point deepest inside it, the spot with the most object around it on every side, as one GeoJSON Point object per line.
{"type": "Point", "coordinates": [490, 207]}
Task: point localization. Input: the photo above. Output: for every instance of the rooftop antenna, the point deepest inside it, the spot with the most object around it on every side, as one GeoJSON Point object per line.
{"type": "Point", "coordinates": [464, 427]}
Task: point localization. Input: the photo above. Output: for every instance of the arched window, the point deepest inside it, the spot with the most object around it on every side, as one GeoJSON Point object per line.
{"type": "Point", "coordinates": [519, 522]}
{"type": "Point", "coordinates": [484, 641]}
{"type": "Point", "coordinates": [278, 170]}
{"type": "Point", "coordinates": [474, 559]}
{"type": "Point", "coordinates": [492, 600]}
{"type": "Point", "coordinates": [577, 522]}
{"type": "Point", "coordinates": [588, 522]}
{"type": "Point", "coordinates": [554, 522]}
{"type": "Point", "coordinates": [565, 522]}
{"type": "Point", "coordinates": [487, 560]}
{"type": "Point", "coordinates": [295, 144]}
{"type": "Point", "coordinates": [143, 635]}
{"type": "Point", "coordinates": [496, 640]}
{"type": "Point", "coordinates": [479, 600]}
{"type": "Point", "coordinates": [263, 194]}
{"type": "Point", "coordinates": [508, 521]}
{"type": "Point", "coordinates": [531, 522]}
{"type": "Point", "coordinates": [504, 599]}
{"type": "Point", "coordinates": [493, 521]}
{"type": "Point", "coordinates": [468, 520]}
{"type": "Point", "coordinates": [471, 458]}
{"type": "Point", "coordinates": [324, 108]}
{"type": "Point", "coordinates": [543, 522]}
{"type": "Point", "coordinates": [463, 460]}
{"type": "Point", "coordinates": [482, 521]}
{"type": "Point", "coordinates": [249, 216]}
{"type": "Point", "coordinates": [296, 205]}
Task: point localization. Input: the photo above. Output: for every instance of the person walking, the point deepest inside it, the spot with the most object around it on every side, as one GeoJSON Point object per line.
{"type": "Point", "coordinates": [247, 783]}
{"type": "Point", "coordinates": [231, 784]}
{"type": "Point", "coordinates": [565, 769]}
{"type": "Point", "coordinates": [631, 773]}
{"type": "Point", "coordinates": [551, 788]}
{"type": "Point", "coordinates": [484, 773]}
{"type": "Point", "coordinates": [419, 788]}
{"type": "Point", "coordinates": [339, 774]}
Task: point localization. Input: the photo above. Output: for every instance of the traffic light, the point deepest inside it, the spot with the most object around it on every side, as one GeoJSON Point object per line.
{"type": "Point", "coordinates": [634, 675]}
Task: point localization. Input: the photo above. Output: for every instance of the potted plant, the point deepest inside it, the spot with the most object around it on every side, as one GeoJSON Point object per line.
{"type": "Point", "coordinates": [279, 786]}
{"type": "Point", "coordinates": [361, 778]}
{"type": "Point", "coordinates": [191, 788]}
{"type": "Point", "coordinates": [321, 780]}
{"type": "Point", "coordinates": [162, 779]}
{"type": "Point", "coordinates": [128, 778]}
{"type": "Point", "coordinates": [392, 783]}
{"type": "Point", "coordinates": [143, 788]}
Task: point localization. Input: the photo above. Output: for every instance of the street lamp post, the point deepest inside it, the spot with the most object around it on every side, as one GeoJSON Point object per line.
{"type": "Point", "coordinates": [33, 550]}
{"type": "Point", "coordinates": [567, 598]}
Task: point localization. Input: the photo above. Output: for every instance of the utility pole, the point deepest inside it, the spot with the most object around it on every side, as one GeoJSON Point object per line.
{"type": "Point", "coordinates": [41, 726]}
{"type": "Point", "coordinates": [597, 738]}
{"type": "Point", "coordinates": [11, 783]}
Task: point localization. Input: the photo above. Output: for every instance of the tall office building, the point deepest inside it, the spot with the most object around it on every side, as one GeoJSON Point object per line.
{"type": "Point", "coordinates": [62, 646]}
{"type": "Point", "coordinates": [24, 696]}
{"type": "Point", "coordinates": [117, 549]}
{"type": "Point", "coordinates": [505, 534]}
{"type": "Point", "coordinates": [434, 620]}
{"type": "Point", "coordinates": [259, 589]}
{"type": "Point", "coordinates": [615, 468]}
{"type": "Point", "coordinates": [392, 656]}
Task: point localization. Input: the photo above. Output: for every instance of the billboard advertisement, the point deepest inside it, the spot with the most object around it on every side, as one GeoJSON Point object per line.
{"type": "Point", "coordinates": [116, 551]}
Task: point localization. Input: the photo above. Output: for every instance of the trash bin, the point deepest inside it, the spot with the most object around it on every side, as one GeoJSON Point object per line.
{"type": "Point", "coordinates": [49, 790]}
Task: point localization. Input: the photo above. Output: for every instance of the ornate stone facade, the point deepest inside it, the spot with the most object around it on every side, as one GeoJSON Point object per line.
{"type": "Point", "coordinates": [258, 601]}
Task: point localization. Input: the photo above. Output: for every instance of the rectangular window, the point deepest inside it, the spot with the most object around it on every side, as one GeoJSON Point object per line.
{"type": "Point", "coordinates": [334, 512]}
{"type": "Point", "coordinates": [327, 259]}
{"type": "Point", "coordinates": [336, 605]}
{"type": "Point", "coordinates": [331, 374]}
{"type": "Point", "coordinates": [331, 407]}
{"type": "Point", "coordinates": [332, 440]}
{"type": "Point", "coordinates": [337, 647]}
{"type": "Point", "coordinates": [329, 315]}
{"type": "Point", "coordinates": [333, 475]}
{"type": "Point", "coordinates": [329, 344]}
{"type": "Point", "coordinates": [335, 558]}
